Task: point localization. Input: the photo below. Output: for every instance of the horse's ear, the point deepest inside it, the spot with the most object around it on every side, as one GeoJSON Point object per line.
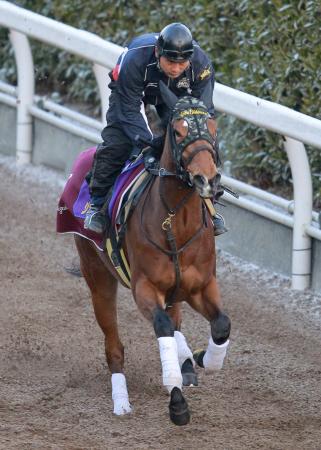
{"type": "Point", "coordinates": [207, 94]}
{"type": "Point", "coordinates": [168, 96]}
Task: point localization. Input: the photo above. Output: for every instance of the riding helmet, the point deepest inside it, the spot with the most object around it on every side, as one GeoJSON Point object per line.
{"type": "Point", "coordinates": [175, 42]}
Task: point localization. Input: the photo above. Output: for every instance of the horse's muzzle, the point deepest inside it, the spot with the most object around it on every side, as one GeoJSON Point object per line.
{"type": "Point", "coordinates": [203, 186]}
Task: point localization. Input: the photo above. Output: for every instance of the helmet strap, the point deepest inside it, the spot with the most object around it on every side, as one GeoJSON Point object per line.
{"type": "Point", "coordinates": [157, 56]}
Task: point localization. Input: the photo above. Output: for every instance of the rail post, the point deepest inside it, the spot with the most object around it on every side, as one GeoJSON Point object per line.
{"type": "Point", "coordinates": [25, 94]}
{"type": "Point", "coordinates": [302, 189]}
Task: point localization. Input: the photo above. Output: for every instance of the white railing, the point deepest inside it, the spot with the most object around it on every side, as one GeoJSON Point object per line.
{"type": "Point", "coordinates": [297, 128]}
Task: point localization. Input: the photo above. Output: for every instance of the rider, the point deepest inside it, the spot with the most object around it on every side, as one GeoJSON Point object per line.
{"type": "Point", "coordinates": [171, 56]}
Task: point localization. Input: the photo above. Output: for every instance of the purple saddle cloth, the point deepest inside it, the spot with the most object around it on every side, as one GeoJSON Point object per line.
{"type": "Point", "coordinates": [75, 198]}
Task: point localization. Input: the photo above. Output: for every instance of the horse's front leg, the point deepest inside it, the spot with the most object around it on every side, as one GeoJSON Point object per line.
{"type": "Point", "coordinates": [208, 303]}
{"type": "Point", "coordinates": [151, 303]}
{"type": "Point", "coordinates": [185, 355]}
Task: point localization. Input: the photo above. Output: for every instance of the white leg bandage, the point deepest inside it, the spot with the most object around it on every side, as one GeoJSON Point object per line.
{"type": "Point", "coordinates": [214, 355]}
{"type": "Point", "coordinates": [184, 352]}
{"type": "Point", "coordinates": [170, 366]}
{"type": "Point", "coordinates": [120, 394]}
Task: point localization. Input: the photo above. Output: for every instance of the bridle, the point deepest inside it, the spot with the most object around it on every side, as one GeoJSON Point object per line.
{"type": "Point", "coordinates": [195, 115]}
{"type": "Point", "coordinates": [194, 112]}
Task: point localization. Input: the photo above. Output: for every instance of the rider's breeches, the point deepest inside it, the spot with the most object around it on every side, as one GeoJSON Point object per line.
{"type": "Point", "coordinates": [109, 160]}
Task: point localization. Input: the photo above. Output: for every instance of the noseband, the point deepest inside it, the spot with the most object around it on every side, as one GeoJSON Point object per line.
{"type": "Point", "coordinates": [195, 114]}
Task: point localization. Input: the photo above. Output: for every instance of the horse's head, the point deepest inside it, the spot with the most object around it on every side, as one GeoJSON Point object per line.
{"type": "Point", "coordinates": [192, 135]}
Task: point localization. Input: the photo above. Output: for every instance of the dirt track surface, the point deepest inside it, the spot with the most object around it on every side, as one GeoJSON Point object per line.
{"type": "Point", "coordinates": [55, 387]}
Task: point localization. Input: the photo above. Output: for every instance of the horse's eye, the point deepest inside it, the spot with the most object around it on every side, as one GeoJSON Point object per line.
{"type": "Point", "coordinates": [177, 134]}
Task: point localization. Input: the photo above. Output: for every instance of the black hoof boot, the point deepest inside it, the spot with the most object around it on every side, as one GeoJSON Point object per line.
{"type": "Point", "coordinates": [178, 408]}
{"type": "Point", "coordinates": [198, 357]}
{"type": "Point", "coordinates": [188, 374]}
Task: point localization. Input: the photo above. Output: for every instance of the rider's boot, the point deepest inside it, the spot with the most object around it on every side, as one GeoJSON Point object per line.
{"type": "Point", "coordinates": [218, 219]}
{"type": "Point", "coordinates": [219, 224]}
{"type": "Point", "coordinates": [95, 219]}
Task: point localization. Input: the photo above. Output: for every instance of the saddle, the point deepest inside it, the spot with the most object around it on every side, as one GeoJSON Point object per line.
{"type": "Point", "coordinates": [127, 191]}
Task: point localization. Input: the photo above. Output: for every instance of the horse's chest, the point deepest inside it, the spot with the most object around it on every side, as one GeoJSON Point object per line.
{"type": "Point", "coordinates": [193, 280]}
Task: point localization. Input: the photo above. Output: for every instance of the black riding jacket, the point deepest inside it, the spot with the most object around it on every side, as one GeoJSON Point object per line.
{"type": "Point", "coordinates": [134, 83]}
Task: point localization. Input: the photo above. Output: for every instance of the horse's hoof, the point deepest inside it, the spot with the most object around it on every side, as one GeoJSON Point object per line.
{"type": "Point", "coordinates": [188, 373]}
{"type": "Point", "coordinates": [198, 356]}
{"type": "Point", "coordinates": [190, 379]}
{"type": "Point", "coordinates": [178, 408]}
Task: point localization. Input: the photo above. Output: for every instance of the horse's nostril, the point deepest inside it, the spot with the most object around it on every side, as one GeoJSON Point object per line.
{"type": "Point", "coordinates": [215, 181]}
{"type": "Point", "coordinates": [200, 179]}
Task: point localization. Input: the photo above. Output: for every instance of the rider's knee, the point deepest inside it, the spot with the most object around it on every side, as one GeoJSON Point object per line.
{"type": "Point", "coordinates": [220, 328]}
{"type": "Point", "coordinates": [163, 324]}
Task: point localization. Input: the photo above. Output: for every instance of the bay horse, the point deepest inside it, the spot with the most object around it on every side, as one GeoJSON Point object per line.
{"type": "Point", "coordinates": [170, 247]}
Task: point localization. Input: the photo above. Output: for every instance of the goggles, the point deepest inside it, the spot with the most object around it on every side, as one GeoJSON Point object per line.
{"type": "Point", "coordinates": [175, 55]}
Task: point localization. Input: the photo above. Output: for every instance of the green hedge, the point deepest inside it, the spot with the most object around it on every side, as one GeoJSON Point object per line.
{"type": "Point", "coordinates": [268, 48]}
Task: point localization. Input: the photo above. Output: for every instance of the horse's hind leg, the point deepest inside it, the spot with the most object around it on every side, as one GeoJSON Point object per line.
{"type": "Point", "coordinates": [185, 355]}
{"type": "Point", "coordinates": [103, 287]}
